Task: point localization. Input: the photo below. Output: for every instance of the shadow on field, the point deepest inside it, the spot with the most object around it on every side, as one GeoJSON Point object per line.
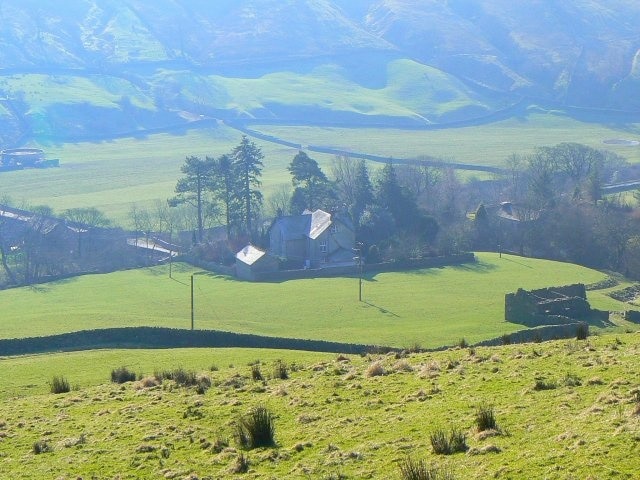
{"type": "Point", "coordinates": [476, 267]}
{"type": "Point", "coordinates": [47, 287]}
{"type": "Point", "coordinates": [507, 259]}
{"type": "Point", "coordinates": [381, 310]}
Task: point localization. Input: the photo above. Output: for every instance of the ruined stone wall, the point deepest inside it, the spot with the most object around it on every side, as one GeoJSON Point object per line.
{"type": "Point", "coordinates": [547, 306]}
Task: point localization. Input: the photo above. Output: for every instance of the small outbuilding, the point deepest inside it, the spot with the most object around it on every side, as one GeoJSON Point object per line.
{"type": "Point", "coordinates": [251, 261]}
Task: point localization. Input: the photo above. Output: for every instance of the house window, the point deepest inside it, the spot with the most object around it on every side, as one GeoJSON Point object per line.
{"type": "Point", "coordinates": [333, 228]}
{"type": "Point", "coordinates": [323, 246]}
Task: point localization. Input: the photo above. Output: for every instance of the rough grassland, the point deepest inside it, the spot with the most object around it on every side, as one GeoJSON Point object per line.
{"type": "Point", "coordinates": [431, 307]}
{"type": "Point", "coordinates": [333, 419]}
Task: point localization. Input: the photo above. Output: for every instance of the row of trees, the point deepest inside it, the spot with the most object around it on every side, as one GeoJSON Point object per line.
{"type": "Point", "coordinates": [229, 184]}
{"type": "Point", "coordinates": [226, 190]}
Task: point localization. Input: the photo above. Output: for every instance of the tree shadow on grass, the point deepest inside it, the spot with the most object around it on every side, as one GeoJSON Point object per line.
{"type": "Point", "coordinates": [507, 259]}
{"type": "Point", "coordinates": [476, 267]}
{"type": "Point", "coordinates": [48, 286]}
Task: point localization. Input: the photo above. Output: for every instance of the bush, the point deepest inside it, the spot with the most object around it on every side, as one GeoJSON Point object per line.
{"type": "Point", "coordinates": [485, 418]}
{"type": "Point", "coordinates": [122, 375]}
{"type": "Point", "coordinates": [59, 384]}
{"type": "Point", "coordinates": [582, 331]}
{"type": "Point", "coordinates": [462, 343]}
{"type": "Point", "coordinates": [280, 370]}
{"type": "Point", "coordinates": [257, 429]}
{"type": "Point", "coordinates": [447, 445]}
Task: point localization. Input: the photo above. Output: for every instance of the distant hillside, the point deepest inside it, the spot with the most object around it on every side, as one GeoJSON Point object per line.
{"type": "Point", "coordinates": [82, 69]}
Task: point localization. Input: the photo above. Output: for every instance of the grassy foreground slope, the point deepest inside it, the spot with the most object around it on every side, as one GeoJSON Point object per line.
{"type": "Point", "coordinates": [431, 307]}
{"type": "Point", "coordinates": [333, 419]}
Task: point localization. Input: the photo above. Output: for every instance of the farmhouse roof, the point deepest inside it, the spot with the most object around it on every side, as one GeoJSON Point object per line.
{"type": "Point", "coordinates": [309, 224]}
{"type": "Point", "coordinates": [250, 254]}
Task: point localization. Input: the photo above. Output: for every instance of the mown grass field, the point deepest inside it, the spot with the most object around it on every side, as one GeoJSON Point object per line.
{"type": "Point", "coordinates": [431, 307]}
{"type": "Point", "coordinates": [332, 418]}
{"type": "Point", "coordinates": [115, 175]}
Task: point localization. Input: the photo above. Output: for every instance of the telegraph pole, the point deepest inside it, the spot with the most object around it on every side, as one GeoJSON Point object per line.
{"type": "Point", "coordinates": [192, 301]}
{"type": "Point", "coordinates": [358, 258]}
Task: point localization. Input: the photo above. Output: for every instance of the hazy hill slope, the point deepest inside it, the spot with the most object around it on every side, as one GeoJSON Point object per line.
{"type": "Point", "coordinates": [484, 55]}
{"type": "Point", "coordinates": [562, 50]}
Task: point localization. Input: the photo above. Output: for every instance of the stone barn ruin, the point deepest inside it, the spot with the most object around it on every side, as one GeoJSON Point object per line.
{"type": "Point", "coordinates": [550, 306]}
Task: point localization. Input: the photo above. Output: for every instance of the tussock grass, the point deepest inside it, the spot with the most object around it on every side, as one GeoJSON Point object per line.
{"type": "Point", "coordinates": [447, 444]}
{"type": "Point", "coordinates": [375, 369]}
{"type": "Point", "coordinates": [59, 384]}
{"type": "Point", "coordinates": [411, 469]}
{"type": "Point", "coordinates": [485, 418]}
{"type": "Point", "coordinates": [122, 375]}
{"type": "Point", "coordinates": [256, 429]}
{"type": "Point", "coordinates": [280, 370]}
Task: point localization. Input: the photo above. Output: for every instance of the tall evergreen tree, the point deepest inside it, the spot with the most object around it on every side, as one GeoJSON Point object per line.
{"type": "Point", "coordinates": [308, 178]}
{"type": "Point", "coordinates": [225, 185]}
{"type": "Point", "coordinates": [247, 162]}
{"type": "Point", "coordinates": [363, 192]}
{"type": "Point", "coordinates": [193, 187]}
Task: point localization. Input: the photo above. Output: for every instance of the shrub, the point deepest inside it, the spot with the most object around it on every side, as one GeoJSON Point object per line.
{"type": "Point", "coordinates": [256, 429]}
{"type": "Point", "coordinates": [485, 418]}
{"type": "Point", "coordinates": [59, 384]}
{"type": "Point", "coordinates": [582, 331]}
{"type": "Point", "coordinates": [122, 375]}
{"type": "Point", "coordinates": [280, 370]}
{"type": "Point", "coordinates": [462, 343]}
{"type": "Point", "coordinates": [447, 445]}
{"type": "Point", "coordinates": [42, 446]}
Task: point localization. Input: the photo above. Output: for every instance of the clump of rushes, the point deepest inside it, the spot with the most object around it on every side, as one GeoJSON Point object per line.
{"type": "Point", "coordinates": [59, 384]}
{"type": "Point", "coordinates": [485, 418]}
{"type": "Point", "coordinates": [411, 469]}
{"type": "Point", "coordinates": [280, 370]}
{"type": "Point", "coordinates": [256, 429]}
{"type": "Point", "coordinates": [455, 442]}
{"type": "Point", "coordinates": [122, 375]}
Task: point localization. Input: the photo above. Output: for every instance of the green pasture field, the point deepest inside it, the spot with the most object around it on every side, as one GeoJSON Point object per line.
{"type": "Point", "coordinates": [431, 307]}
{"type": "Point", "coordinates": [489, 144]}
{"type": "Point", "coordinates": [332, 417]}
{"type": "Point", "coordinates": [114, 175]}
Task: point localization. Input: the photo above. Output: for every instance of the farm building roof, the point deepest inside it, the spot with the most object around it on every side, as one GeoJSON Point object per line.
{"type": "Point", "coordinates": [250, 255]}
